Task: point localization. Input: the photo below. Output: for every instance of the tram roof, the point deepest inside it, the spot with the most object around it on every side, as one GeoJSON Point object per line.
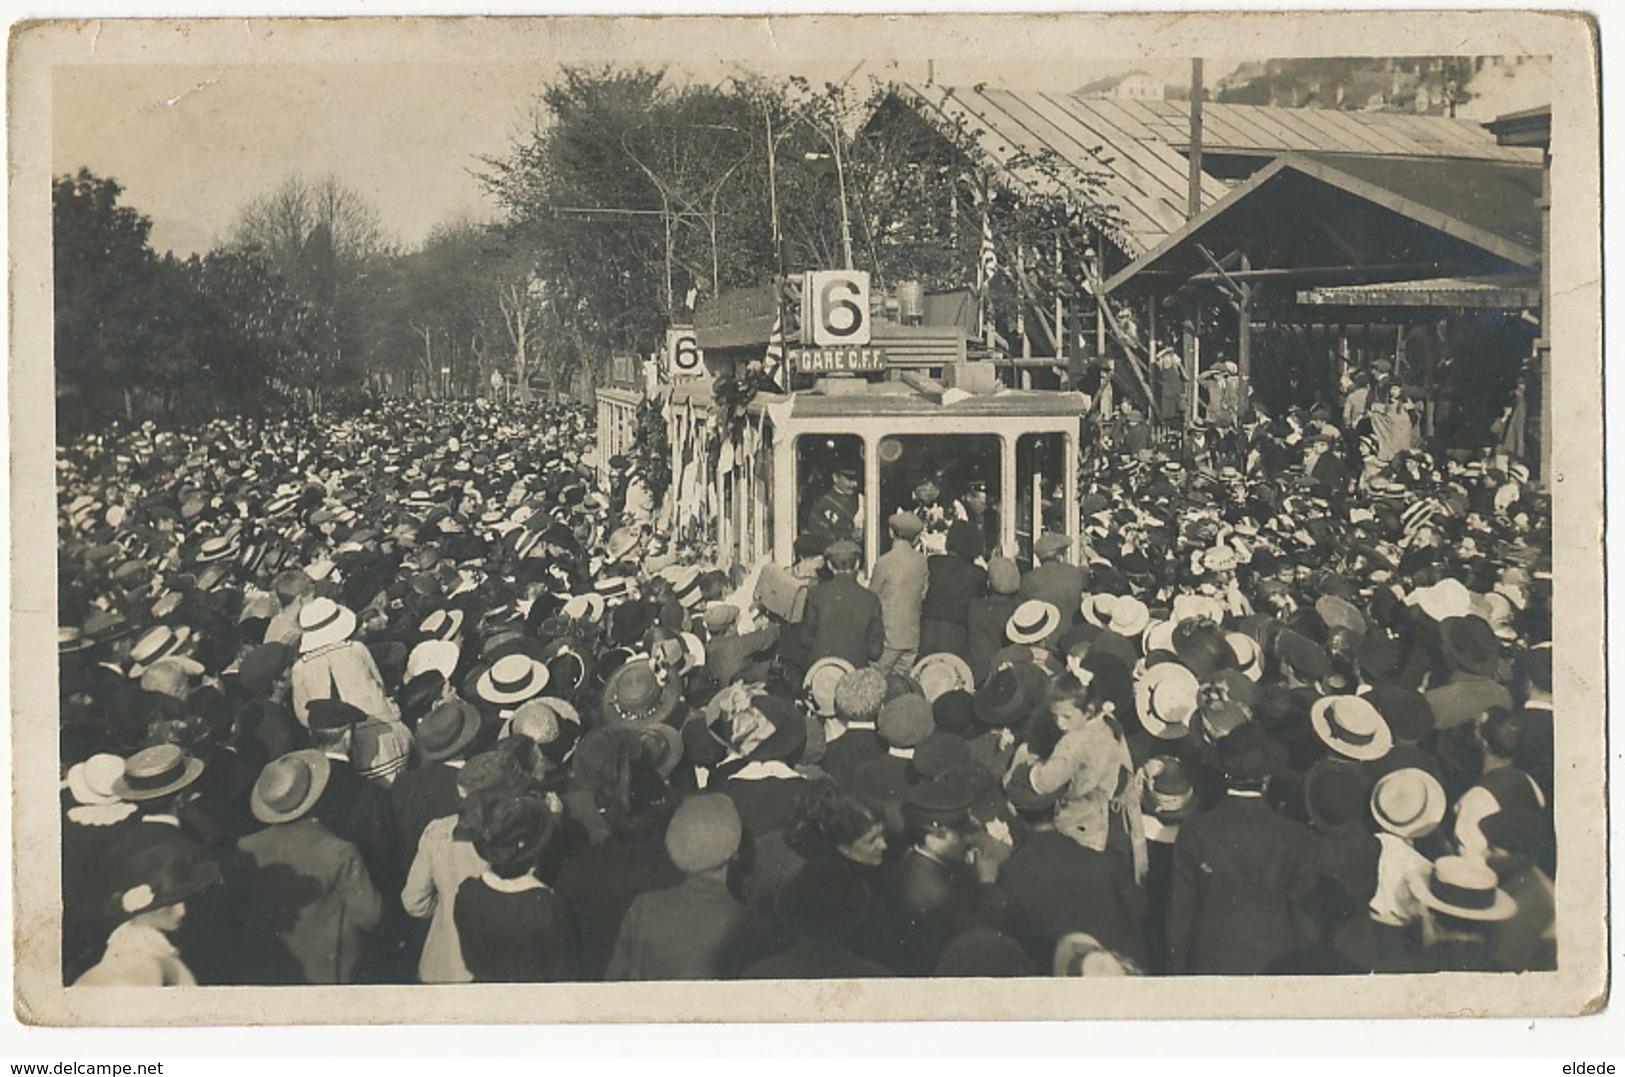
{"type": "Point", "coordinates": [900, 399]}
{"type": "Point", "coordinates": [896, 399]}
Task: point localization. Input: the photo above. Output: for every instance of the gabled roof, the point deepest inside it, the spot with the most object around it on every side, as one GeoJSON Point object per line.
{"type": "Point", "coordinates": [1475, 210]}
{"type": "Point", "coordinates": [1139, 145]}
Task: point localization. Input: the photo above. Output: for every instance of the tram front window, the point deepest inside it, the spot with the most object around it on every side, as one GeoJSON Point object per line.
{"type": "Point", "coordinates": [829, 486]}
{"type": "Point", "coordinates": [1040, 493]}
{"type": "Point", "coordinates": [942, 478]}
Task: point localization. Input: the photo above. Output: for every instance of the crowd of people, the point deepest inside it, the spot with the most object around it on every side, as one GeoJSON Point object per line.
{"type": "Point", "coordinates": [407, 697]}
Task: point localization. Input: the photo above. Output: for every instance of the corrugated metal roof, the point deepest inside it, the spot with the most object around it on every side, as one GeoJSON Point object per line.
{"type": "Point", "coordinates": [1486, 207]}
{"type": "Point", "coordinates": [1498, 290]}
{"type": "Point", "coordinates": [1139, 144]}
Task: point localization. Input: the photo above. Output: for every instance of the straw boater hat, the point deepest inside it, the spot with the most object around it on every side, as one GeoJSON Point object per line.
{"type": "Point", "coordinates": [1249, 655]}
{"type": "Point", "coordinates": [323, 622]}
{"type": "Point", "coordinates": [1097, 609]}
{"type": "Point", "coordinates": [943, 672]}
{"type": "Point", "coordinates": [1032, 622]}
{"type": "Point", "coordinates": [1408, 803]}
{"type": "Point", "coordinates": [1129, 616]}
{"type": "Point", "coordinates": [219, 547]}
{"type": "Point", "coordinates": [94, 782]}
{"type": "Point", "coordinates": [289, 787]}
{"type": "Point", "coordinates": [1464, 888]}
{"type": "Point", "coordinates": [589, 607]}
{"type": "Point", "coordinates": [1166, 697]}
{"type": "Point", "coordinates": [823, 678]}
{"type": "Point", "coordinates": [157, 643]}
{"type": "Point", "coordinates": [1351, 727]}
{"type": "Point", "coordinates": [445, 624]}
{"type": "Point", "coordinates": [511, 680]}
{"type": "Point", "coordinates": [1158, 636]}
{"type": "Point", "coordinates": [433, 654]}
{"type": "Point", "coordinates": [156, 772]}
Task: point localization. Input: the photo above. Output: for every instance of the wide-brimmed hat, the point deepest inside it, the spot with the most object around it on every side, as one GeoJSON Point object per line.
{"type": "Point", "coordinates": [157, 771]}
{"type": "Point", "coordinates": [1443, 600]}
{"type": "Point", "coordinates": [1166, 697]}
{"type": "Point", "coordinates": [1158, 636]}
{"type": "Point", "coordinates": [823, 678]}
{"type": "Point", "coordinates": [589, 607]}
{"type": "Point", "coordinates": [1470, 644]}
{"type": "Point", "coordinates": [1097, 608]}
{"type": "Point", "coordinates": [621, 542]}
{"type": "Point", "coordinates": [71, 639]}
{"type": "Point", "coordinates": [1032, 622]}
{"type": "Point", "coordinates": [158, 876]}
{"type": "Point", "coordinates": [1408, 803]}
{"type": "Point", "coordinates": [1129, 616]}
{"type": "Point", "coordinates": [433, 654]}
{"type": "Point", "coordinates": [94, 781]}
{"type": "Point", "coordinates": [1008, 694]}
{"type": "Point", "coordinates": [636, 692]}
{"type": "Point", "coordinates": [1464, 888]}
{"type": "Point", "coordinates": [1249, 655]}
{"type": "Point", "coordinates": [219, 547]}
{"type": "Point", "coordinates": [1340, 613]}
{"type": "Point", "coordinates": [322, 622]}
{"type": "Point", "coordinates": [511, 680]}
{"type": "Point", "coordinates": [1194, 607]}
{"type": "Point", "coordinates": [156, 644]}
{"type": "Point", "coordinates": [941, 672]}
{"type": "Point", "coordinates": [442, 624]}
{"type": "Point", "coordinates": [289, 787]}
{"type": "Point", "coordinates": [1351, 727]}
{"type": "Point", "coordinates": [542, 719]}
{"type": "Point", "coordinates": [447, 729]}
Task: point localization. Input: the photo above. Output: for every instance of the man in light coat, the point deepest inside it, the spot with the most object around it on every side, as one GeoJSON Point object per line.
{"type": "Point", "coordinates": [899, 581]}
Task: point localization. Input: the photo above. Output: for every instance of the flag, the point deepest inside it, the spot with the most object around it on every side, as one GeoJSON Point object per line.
{"type": "Point", "coordinates": [773, 360]}
{"type": "Point", "coordinates": [987, 259]}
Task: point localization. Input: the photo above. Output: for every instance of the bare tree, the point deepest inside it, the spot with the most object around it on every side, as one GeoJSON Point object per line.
{"type": "Point", "coordinates": [303, 217]}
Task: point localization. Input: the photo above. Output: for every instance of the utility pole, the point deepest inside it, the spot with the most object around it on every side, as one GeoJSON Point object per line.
{"type": "Point", "coordinates": [1194, 204]}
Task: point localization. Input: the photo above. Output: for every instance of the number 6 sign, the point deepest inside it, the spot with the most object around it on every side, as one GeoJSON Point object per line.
{"type": "Point", "coordinates": [683, 352]}
{"type": "Point", "coordinates": [836, 307]}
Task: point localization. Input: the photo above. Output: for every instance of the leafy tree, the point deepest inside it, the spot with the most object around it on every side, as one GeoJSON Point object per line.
{"type": "Point", "coordinates": [104, 277]}
{"type": "Point", "coordinates": [322, 239]}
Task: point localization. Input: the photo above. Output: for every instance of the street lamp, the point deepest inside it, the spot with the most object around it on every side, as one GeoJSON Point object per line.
{"type": "Point", "coordinates": [445, 381]}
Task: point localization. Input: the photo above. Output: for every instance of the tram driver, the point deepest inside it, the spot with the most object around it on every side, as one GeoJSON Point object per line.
{"type": "Point", "coordinates": [838, 512]}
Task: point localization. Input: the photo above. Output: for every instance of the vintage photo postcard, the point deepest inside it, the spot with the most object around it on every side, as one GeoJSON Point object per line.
{"type": "Point", "coordinates": [807, 518]}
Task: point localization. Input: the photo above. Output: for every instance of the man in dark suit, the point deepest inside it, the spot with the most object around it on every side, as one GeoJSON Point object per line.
{"type": "Point", "coordinates": [421, 795]}
{"type": "Point", "coordinates": [353, 808]}
{"type": "Point", "coordinates": [1054, 580]}
{"type": "Point", "coordinates": [1241, 873]}
{"type": "Point", "coordinates": [1056, 886]}
{"type": "Point", "coordinates": [843, 617]}
{"type": "Point", "coordinates": [305, 899]}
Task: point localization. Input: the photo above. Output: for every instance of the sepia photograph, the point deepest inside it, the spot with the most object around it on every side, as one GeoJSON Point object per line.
{"type": "Point", "coordinates": [807, 518]}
